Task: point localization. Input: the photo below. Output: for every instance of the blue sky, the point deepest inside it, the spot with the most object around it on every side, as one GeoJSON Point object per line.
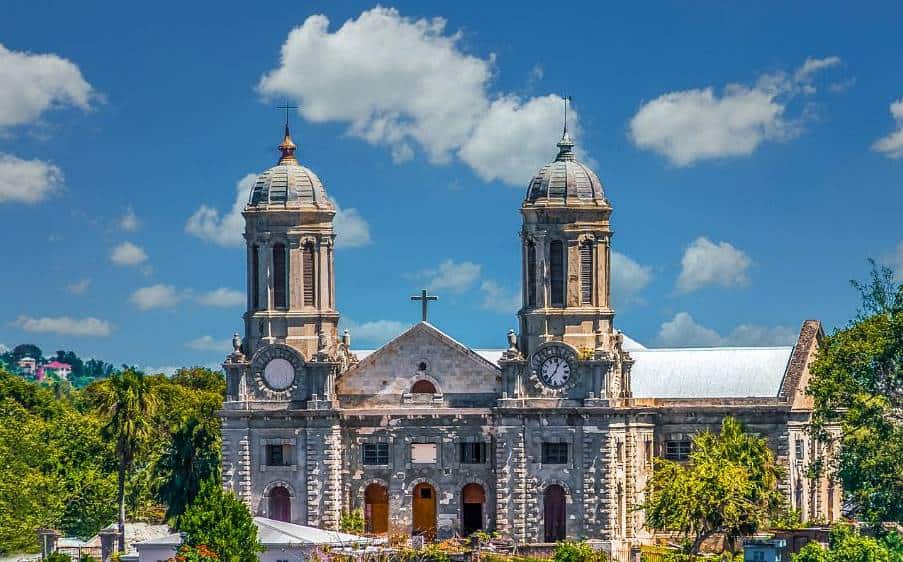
{"type": "Point", "coordinates": [751, 152]}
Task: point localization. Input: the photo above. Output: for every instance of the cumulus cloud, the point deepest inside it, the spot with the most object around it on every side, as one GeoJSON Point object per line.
{"type": "Point", "coordinates": [373, 333]}
{"type": "Point", "coordinates": [156, 296]}
{"type": "Point", "coordinates": [351, 230]}
{"type": "Point", "coordinates": [27, 181]}
{"type": "Point", "coordinates": [707, 263]}
{"type": "Point", "coordinates": [892, 144]}
{"type": "Point", "coordinates": [689, 126]}
{"type": "Point", "coordinates": [352, 75]}
{"type": "Point", "coordinates": [129, 221]}
{"type": "Point", "coordinates": [684, 331]}
{"type": "Point", "coordinates": [225, 230]}
{"type": "Point", "coordinates": [499, 299]}
{"type": "Point", "coordinates": [222, 298]}
{"type": "Point", "coordinates": [31, 84]}
{"type": "Point", "coordinates": [78, 287]}
{"type": "Point", "coordinates": [65, 325]}
{"type": "Point", "coordinates": [450, 275]}
{"type": "Point", "coordinates": [128, 254]}
{"type": "Point", "coordinates": [628, 279]}
{"type": "Point", "coordinates": [209, 343]}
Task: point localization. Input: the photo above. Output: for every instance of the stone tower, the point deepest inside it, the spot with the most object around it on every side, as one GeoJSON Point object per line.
{"type": "Point", "coordinates": [566, 240]}
{"type": "Point", "coordinates": [290, 243]}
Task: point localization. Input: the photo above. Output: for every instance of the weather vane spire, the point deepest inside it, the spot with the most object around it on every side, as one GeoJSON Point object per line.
{"type": "Point", "coordinates": [566, 100]}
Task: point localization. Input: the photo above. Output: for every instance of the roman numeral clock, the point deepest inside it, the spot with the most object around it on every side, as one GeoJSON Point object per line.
{"type": "Point", "coordinates": [554, 364]}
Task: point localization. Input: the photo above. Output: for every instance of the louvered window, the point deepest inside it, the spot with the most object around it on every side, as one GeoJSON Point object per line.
{"type": "Point", "coordinates": [586, 273]}
{"type": "Point", "coordinates": [531, 274]}
{"type": "Point", "coordinates": [308, 267]}
{"type": "Point", "coordinates": [255, 277]}
{"type": "Point", "coordinates": [280, 276]}
{"type": "Point", "coordinates": [556, 272]}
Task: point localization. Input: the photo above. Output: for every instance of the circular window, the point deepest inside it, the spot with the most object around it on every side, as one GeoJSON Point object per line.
{"type": "Point", "coordinates": [422, 366]}
{"type": "Point", "coordinates": [279, 374]}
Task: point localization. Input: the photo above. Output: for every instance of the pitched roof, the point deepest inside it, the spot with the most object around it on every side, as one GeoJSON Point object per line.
{"type": "Point", "coordinates": [712, 372]}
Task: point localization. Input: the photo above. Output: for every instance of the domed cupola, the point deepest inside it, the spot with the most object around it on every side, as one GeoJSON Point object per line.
{"type": "Point", "coordinates": [566, 178]}
{"type": "Point", "coordinates": [288, 183]}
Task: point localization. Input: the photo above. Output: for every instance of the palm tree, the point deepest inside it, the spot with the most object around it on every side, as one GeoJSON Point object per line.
{"type": "Point", "coordinates": [128, 401]}
{"type": "Point", "coordinates": [191, 458]}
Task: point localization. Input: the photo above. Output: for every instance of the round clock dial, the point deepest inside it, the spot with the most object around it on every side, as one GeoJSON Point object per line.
{"type": "Point", "coordinates": [555, 371]}
{"type": "Point", "coordinates": [279, 374]}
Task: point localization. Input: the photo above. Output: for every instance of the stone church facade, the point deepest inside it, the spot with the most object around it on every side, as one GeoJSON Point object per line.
{"type": "Point", "coordinates": [551, 437]}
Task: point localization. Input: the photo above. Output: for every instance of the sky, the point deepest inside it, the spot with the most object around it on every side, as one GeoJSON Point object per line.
{"type": "Point", "coordinates": [753, 154]}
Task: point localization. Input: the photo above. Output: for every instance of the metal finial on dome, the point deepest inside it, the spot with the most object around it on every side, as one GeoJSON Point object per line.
{"type": "Point", "coordinates": [566, 145]}
{"type": "Point", "coordinates": [287, 147]}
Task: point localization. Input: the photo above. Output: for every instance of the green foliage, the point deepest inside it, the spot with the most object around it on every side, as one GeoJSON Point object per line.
{"type": "Point", "coordinates": [87, 558]}
{"type": "Point", "coordinates": [857, 383]}
{"type": "Point", "coordinates": [58, 557]}
{"type": "Point", "coordinates": [193, 456]}
{"type": "Point", "coordinates": [729, 487]}
{"type": "Point", "coordinates": [352, 521]}
{"type": "Point", "coordinates": [577, 552]}
{"type": "Point", "coordinates": [219, 520]}
{"type": "Point", "coordinates": [847, 544]}
{"type": "Point", "coordinates": [199, 553]}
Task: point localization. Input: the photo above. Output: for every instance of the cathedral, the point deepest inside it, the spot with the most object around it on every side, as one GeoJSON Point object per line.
{"type": "Point", "coordinates": [551, 437]}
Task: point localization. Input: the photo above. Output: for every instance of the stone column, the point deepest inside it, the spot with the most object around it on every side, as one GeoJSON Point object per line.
{"type": "Point", "coordinates": [324, 477]}
{"type": "Point", "coordinates": [109, 539]}
{"type": "Point", "coordinates": [48, 538]}
{"type": "Point", "coordinates": [321, 280]}
{"type": "Point", "coordinates": [296, 291]}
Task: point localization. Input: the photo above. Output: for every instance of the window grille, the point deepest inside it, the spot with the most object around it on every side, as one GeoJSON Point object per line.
{"type": "Point", "coordinates": [308, 276]}
{"type": "Point", "coordinates": [677, 450]}
{"type": "Point", "coordinates": [554, 453]}
{"type": "Point", "coordinates": [280, 276]}
{"type": "Point", "coordinates": [586, 273]}
{"type": "Point", "coordinates": [472, 453]}
{"type": "Point", "coordinates": [376, 453]}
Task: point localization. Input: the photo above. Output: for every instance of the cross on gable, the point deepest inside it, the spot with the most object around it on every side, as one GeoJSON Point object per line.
{"type": "Point", "coordinates": [424, 299]}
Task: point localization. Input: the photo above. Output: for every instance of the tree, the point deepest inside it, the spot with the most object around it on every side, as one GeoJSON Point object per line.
{"type": "Point", "coordinates": [218, 519]}
{"type": "Point", "coordinates": [728, 487]}
{"type": "Point", "coordinates": [27, 350]}
{"type": "Point", "coordinates": [857, 382]}
{"type": "Point", "coordinates": [192, 457]}
{"type": "Point", "coordinates": [127, 401]}
{"type": "Point", "coordinates": [847, 544]}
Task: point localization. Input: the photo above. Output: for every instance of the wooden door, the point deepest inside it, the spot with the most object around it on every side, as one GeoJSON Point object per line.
{"type": "Point", "coordinates": [376, 509]}
{"type": "Point", "coordinates": [424, 511]}
{"type": "Point", "coordinates": [555, 511]}
{"type": "Point", "coordinates": [280, 507]}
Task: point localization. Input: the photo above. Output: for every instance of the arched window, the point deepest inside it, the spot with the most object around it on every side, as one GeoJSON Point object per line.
{"type": "Point", "coordinates": [556, 272]}
{"type": "Point", "coordinates": [280, 276]}
{"type": "Point", "coordinates": [531, 273]}
{"type": "Point", "coordinates": [586, 272]}
{"type": "Point", "coordinates": [280, 505]}
{"type": "Point", "coordinates": [472, 499]}
{"type": "Point", "coordinates": [307, 265]}
{"type": "Point", "coordinates": [423, 387]}
{"type": "Point", "coordinates": [255, 277]}
{"type": "Point", "coordinates": [555, 512]}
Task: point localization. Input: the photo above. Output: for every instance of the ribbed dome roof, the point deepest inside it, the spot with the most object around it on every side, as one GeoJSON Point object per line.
{"type": "Point", "coordinates": [288, 182]}
{"type": "Point", "coordinates": [565, 178]}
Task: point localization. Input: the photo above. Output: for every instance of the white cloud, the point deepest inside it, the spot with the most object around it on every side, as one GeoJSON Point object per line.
{"type": "Point", "coordinates": [892, 144]}
{"type": "Point", "coordinates": [78, 287]}
{"type": "Point", "coordinates": [27, 181]}
{"type": "Point", "coordinates": [684, 331]}
{"type": "Point", "coordinates": [373, 333]}
{"type": "Point", "coordinates": [222, 298]}
{"type": "Point", "coordinates": [450, 275]}
{"type": "Point", "coordinates": [352, 75]}
{"type": "Point", "coordinates": [65, 325]}
{"type": "Point", "coordinates": [499, 299]}
{"type": "Point", "coordinates": [628, 279]}
{"type": "Point", "coordinates": [706, 263]}
{"type": "Point", "coordinates": [156, 296]}
{"type": "Point", "coordinates": [688, 126]}
{"type": "Point", "coordinates": [207, 224]}
{"type": "Point", "coordinates": [128, 254]}
{"type": "Point", "coordinates": [351, 229]}
{"type": "Point", "coordinates": [31, 84]}
{"type": "Point", "coordinates": [129, 221]}
{"type": "Point", "coordinates": [208, 343]}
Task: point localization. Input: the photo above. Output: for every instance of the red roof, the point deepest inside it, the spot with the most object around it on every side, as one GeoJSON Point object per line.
{"type": "Point", "coordinates": [57, 365]}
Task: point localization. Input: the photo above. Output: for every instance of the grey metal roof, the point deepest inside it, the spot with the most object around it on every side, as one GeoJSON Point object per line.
{"type": "Point", "coordinates": [565, 178]}
{"type": "Point", "coordinates": [289, 183]}
{"type": "Point", "coordinates": [715, 372]}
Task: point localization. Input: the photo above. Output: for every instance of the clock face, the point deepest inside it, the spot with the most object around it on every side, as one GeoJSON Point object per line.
{"type": "Point", "coordinates": [279, 374]}
{"type": "Point", "coordinates": [555, 371]}
{"type": "Point", "coordinates": [555, 364]}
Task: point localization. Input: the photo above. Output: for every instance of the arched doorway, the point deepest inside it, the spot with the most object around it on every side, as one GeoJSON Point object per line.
{"type": "Point", "coordinates": [376, 509]}
{"type": "Point", "coordinates": [555, 511]}
{"type": "Point", "coordinates": [423, 386]}
{"type": "Point", "coordinates": [423, 507]}
{"type": "Point", "coordinates": [280, 505]}
{"type": "Point", "coordinates": [472, 499]}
